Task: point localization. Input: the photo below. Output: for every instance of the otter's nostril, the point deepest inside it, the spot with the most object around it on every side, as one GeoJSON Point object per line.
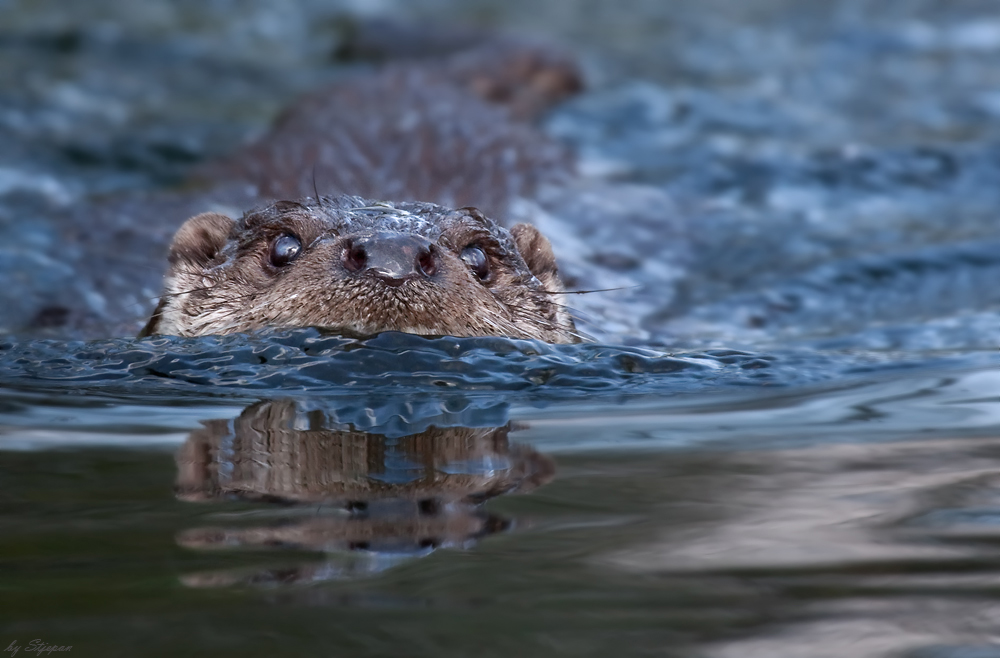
{"type": "Point", "coordinates": [393, 258]}
{"type": "Point", "coordinates": [355, 258]}
{"type": "Point", "coordinates": [426, 263]}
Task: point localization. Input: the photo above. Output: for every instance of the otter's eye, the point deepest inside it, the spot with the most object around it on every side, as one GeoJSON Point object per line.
{"type": "Point", "coordinates": [285, 249]}
{"type": "Point", "coordinates": [477, 261]}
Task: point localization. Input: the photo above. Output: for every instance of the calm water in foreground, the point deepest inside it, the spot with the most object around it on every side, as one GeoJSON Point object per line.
{"type": "Point", "coordinates": [853, 518]}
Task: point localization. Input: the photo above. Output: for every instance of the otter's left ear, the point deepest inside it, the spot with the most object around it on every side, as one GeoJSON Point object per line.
{"type": "Point", "coordinates": [537, 253]}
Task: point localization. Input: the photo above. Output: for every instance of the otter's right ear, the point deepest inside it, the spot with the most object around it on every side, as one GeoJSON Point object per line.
{"type": "Point", "coordinates": [200, 239]}
{"type": "Point", "coordinates": [195, 244]}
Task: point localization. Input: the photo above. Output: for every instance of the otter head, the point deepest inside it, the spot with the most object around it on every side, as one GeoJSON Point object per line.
{"type": "Point", "coordinates": [363, 266]}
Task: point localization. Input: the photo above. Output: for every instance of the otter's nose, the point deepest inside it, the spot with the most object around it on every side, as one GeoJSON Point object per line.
{"type": "Point", "coordinates": [391, 257]}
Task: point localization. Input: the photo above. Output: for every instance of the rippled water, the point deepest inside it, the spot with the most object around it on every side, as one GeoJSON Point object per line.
{"type": "Point", "coordinates": [781, 443]}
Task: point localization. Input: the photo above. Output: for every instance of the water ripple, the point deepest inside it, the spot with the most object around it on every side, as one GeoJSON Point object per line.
{"type": "Point", "coordinates": [309, 361]}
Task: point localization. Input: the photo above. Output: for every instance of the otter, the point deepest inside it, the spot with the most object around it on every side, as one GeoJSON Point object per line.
{"type": "Point", "coordinates": [362, 266]}
{"type": "Point", "coordinates": [452, 129]}
{"type": "Point", "coordinates": [449, 133]}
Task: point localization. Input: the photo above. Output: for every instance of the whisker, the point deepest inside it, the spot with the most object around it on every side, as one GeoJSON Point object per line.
{"type": "Point", "coordinates": [319, 199]}
{"type": "Point", "coordinates": [179, 293]}
{"type": "Point", "coordinates": [586, 292]}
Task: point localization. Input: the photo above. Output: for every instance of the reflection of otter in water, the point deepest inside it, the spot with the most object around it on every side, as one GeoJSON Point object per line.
{"type": "Point", "coordinates": [388, 498]}
{"type": "Point", "coordinates": [431, 132]}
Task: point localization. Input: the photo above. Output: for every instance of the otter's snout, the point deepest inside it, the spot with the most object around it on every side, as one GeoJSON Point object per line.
{"type": "Point", "coordinates": [391, 257]}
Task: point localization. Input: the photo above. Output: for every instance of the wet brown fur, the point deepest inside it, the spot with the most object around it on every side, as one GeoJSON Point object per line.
{"type": "Point", "coordinates": [221, 280]}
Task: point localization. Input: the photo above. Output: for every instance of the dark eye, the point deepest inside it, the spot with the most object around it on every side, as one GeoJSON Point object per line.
{"type": "Point", "coordinates": [477, 261]}
{"type": "Point", "coordinates": [285, 249]}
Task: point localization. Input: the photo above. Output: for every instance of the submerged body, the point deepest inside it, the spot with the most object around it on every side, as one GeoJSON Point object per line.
{"type": "Point", "coordinates": [454, 131]}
